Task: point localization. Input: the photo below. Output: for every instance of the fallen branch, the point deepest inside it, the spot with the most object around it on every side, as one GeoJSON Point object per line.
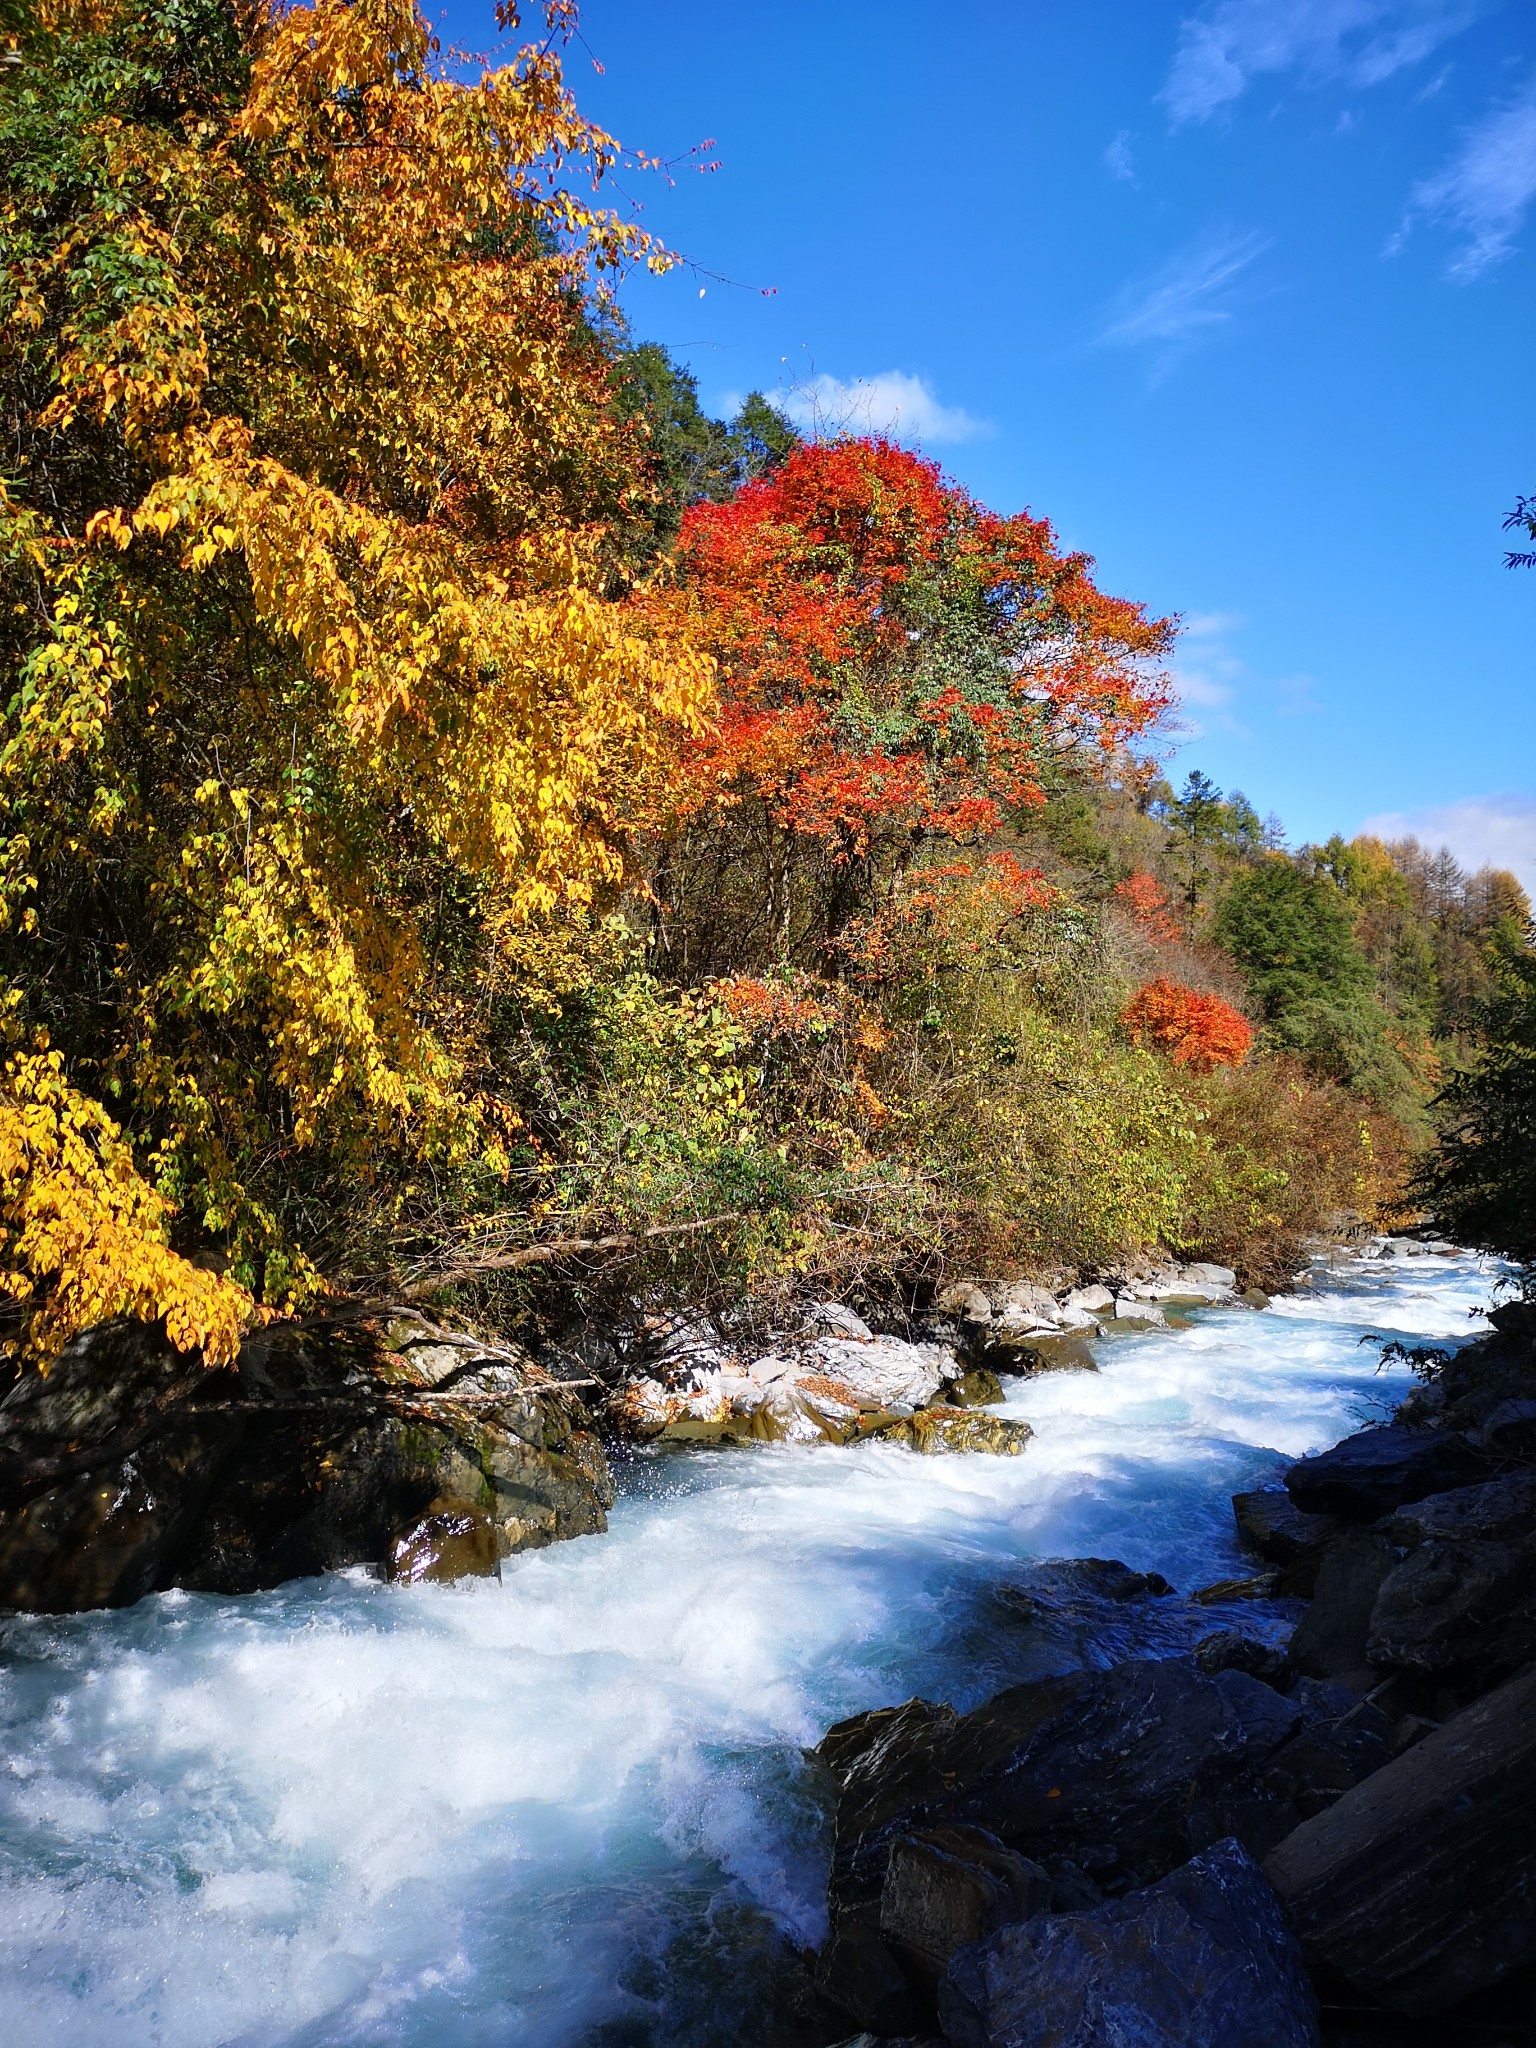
{"type": "Point", "coordinates": [557, 1248]}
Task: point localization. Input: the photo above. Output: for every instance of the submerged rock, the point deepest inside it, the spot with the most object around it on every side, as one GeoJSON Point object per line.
{"type": "Point", "coordinates": [1202, 1959]}
{"type": "Point", "coordinates": [1419, 1884]}
{"type": "Point", "coordinates": [130, 1467]}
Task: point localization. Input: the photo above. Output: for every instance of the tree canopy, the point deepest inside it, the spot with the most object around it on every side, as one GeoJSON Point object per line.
{"type": "Point", "coordinates": [304, 548]}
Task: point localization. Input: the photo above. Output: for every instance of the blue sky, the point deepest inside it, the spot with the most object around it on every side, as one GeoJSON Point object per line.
{"type": "Point", "coordinates": [1240, 295]}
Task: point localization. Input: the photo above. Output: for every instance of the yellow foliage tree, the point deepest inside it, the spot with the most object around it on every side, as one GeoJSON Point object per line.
{"type": "Point", "coordinates": [321, 684]}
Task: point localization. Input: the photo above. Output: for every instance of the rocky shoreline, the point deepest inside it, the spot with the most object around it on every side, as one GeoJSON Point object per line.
{"type": "Point", "coordinates": [380, 1438]}
{"type": "Point", "coordinates": [1331, 1842]}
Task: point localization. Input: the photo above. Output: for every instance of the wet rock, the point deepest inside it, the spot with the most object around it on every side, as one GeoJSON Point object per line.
{"type": "Point", "coordinates": [953, 1885]}
{"type": "Point", "coordinates": [1376, 1470]}
{"type": "Point", "coordinates": [1072, 1602]}
{"type": "Point", "coordinates": [454, 1539]}
{"type": "Point", "coordinates": [1227, 1649]}
{"type": "Point", "coordinates": [1254, 1297]}
{"type": "Point", "coordinates": [130, 1467]}
{"type": "Point", "coordinates": [1053, 1352]}
{"type": "Point", "coordinates": [857, 1973]}
{"type": "Point", "coordinates": [1202, 1959]}
{"type": "Point", "coordinates": [935, 1430]}
{"type": "Point", "coordinates": [1152, 1756]}
{"type": "Point", "coordinates": [1419, 1884]}
{"type": "Point", "coordinates": [1272, 1525]}
{"type": "Point", "coordinates": [977, 1388]}
{"type": "Point", "coordinates": [1264, 1586]}
{"type": "Point", "coordinates": [1064, 1581]}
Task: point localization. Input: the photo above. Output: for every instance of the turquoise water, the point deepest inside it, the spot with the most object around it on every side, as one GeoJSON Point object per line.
{"type": "Point", "coordinates": [573, 1808]}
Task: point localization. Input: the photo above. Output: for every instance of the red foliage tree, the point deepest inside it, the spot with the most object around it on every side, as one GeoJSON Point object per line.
{"type": "Point", "coordinates": [896, 664]}
{"type": "Point", "coordinates": [1194, 1029]}
{"type": "Point", "coordinates": [1144, 897]}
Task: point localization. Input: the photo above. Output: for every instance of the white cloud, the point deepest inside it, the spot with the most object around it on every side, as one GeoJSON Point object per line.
{"type": "Point", "coordinates": [1484, 190]}
{"type": "Point", "coordinates": [1118, 160]}
{"type": "Point", "coordinates": [1229, 43]}
{"type": "Point", "coordinates": [889, 402]}
{"type": "Point", "coordinates": [1187, 301]}
{"type": "Point", "coordinates": [1482, 831]}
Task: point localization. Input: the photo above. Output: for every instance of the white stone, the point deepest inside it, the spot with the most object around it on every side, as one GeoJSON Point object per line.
{"type": "Point", "coordinates": [1095, 1300]}
{"type": "Point", "coordinates": [1130, 1309]}
{"type": "Point", "coordinates": [1203, 1274]}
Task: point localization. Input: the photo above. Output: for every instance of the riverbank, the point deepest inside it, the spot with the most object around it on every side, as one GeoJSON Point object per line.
{"type": "Point", "coordinates": [575, 1806]}
{"type": "Point", "coordinates": [1103, 1840]}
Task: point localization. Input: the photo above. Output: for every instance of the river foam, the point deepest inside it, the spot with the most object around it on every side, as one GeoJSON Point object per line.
{"type": "Point", "coordinates": [571, 1810]}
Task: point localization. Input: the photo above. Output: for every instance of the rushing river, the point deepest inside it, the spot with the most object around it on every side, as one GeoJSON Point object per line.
{"type": "Point", "coordinates": [571, 1810]}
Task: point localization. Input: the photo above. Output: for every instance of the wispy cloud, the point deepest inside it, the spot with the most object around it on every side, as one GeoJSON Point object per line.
{"type": "Point", "coordinates": [888, 402]}
{"type": "Point", "coordinates": [1217, 688]}
{"type": "Point", "coordinates": [1118, 160]}
{"type": "Point", "coordinates": [1208, 674]}
{"type": "Point", "coordinates": [1483, 192]}
{"type": "Point", "coordinates": [1187, 301]}
{"type": "Point", "coordinates": [1482, 831]}
{"type": "Point", "coordinates": [1229, 43]}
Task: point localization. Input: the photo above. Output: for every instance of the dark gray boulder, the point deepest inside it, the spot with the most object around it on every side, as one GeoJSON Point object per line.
{"type": "Point", "coordinates": [1376, 1470]}
{"type": "Point", "coordinates": [1228, 1649]}
{"type": "Point", "coordinates": [1274, 1528]}
{"type": "Point", "coordinates": [1419, 1884]}
{"type": "Point", "coordinates": [1026, 1353]}
{"type": "Point", "coordinates": [1124, 1773]}
{"type": "Point", "coordinates": [860, 1976]}
{"type": "Point", "coordinates": [1464, 1597]}
{"type": "Point", "coordinates": [1331, 1640]}
{"type": "Point", "coordinates": [1202, 1959]}
{"type": "Point", "coordinates": [951, 1886]}
{"type": "Point", "coordinates": [1445, 1587]}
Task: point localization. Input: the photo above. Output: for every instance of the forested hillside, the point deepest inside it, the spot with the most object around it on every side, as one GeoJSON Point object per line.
{"type": "Point", "coordinates": [464, 811]}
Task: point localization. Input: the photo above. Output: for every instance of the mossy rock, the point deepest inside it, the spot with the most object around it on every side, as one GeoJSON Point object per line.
{"type": "Point", "coordinates": [454, 1539]}
{"type": "Point", "coordinates": [935, 1430]}
{"type": "Point", "coordinates": [978, 1388]}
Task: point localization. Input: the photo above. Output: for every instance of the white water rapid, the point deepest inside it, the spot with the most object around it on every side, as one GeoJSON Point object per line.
{"type": "Point", "coordinates": [571, 1810]}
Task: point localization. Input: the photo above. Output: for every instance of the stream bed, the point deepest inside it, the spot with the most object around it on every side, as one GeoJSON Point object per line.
{"type": "Point", "coordinates": [573, 1809]}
